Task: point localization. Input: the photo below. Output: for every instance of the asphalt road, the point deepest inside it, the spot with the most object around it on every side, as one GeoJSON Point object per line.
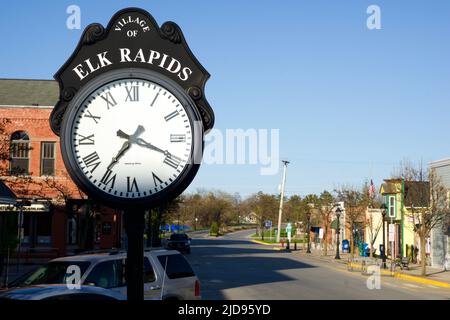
{"type": "Point", "coordinates": [233, 267]}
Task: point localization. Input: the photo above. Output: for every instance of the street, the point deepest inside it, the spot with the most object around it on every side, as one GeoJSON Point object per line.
{"type": "Point", "coordinates": [233, 267]}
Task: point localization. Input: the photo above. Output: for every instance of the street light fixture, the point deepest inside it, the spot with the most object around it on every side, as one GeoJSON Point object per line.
{"type": "Point", "coordinates": [338, 212]}
{"type": "Point", "coordinates": [308, 216]}
{"type": "Point", "coordinates": [383, 253]}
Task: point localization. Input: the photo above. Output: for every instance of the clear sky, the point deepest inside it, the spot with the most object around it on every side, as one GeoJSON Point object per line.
{"type": "Point", "coordinates": [350, 103]}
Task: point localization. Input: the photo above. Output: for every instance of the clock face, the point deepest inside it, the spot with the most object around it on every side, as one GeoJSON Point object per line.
{"type": "Point", "coordinates": [131, 138]}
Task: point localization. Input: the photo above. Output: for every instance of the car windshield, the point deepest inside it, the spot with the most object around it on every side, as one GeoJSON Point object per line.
{"type": "Point", "coordinates": [51, 273]}
{"type": "Point", "coordinates": [178, 236]}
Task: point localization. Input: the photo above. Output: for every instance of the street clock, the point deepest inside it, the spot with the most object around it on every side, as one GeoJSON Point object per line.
{"type": "Point", "coordinates": [132, 113]}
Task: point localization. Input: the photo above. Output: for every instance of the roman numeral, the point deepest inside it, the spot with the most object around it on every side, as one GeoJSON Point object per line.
{"type": "Point", "coordinates": [177, 138]}
{"type": "Point", "coordinates": [171, 115]}
{"type": "Point", "coordinates": [132, 185]}
{"type": "Point", "coordinates": [172, 161]}
{"type": "Point", "coordinates": [109, 100]}
{"type": "Point", "coordinates": [153, 102]}
{"type": "Point", "coordinates": [108, 179]}
{"type": "Point", "coordinates": [89, 115]}
{"type": "Point", "coordinates": [155, 177]}
{"type": "Point", "coordinates": [91, 160]}
{"type": "Point", "coordinates": [86, 140]}
{"type": "Point", "coordinates": [132, 93]}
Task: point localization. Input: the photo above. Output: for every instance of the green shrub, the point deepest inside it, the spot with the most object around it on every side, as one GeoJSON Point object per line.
{"type": "Point", "coordinates": [214, 229]}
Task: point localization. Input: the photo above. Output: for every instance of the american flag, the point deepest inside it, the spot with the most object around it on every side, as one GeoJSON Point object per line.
{"type": "Point", "coordinates": [371, 189]}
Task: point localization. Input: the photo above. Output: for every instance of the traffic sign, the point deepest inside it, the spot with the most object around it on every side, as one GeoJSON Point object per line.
{"type": "Point", "coordinates": [268, 224]}
{"type": "Point", "coordinates": [392, 232]}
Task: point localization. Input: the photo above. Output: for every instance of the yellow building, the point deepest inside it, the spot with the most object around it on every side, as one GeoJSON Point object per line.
{"type": "Point", "coordinates": [402, 198]}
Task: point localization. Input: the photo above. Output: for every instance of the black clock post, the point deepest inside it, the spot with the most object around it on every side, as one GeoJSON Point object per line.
{"type": "Point", "coordinates": [110, 90]}
{"type": "Point", "coordinates": [134, 227]}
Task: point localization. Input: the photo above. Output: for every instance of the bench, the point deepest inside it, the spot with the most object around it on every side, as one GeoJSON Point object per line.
{"type": "Point", "coordinates": [402, 262]}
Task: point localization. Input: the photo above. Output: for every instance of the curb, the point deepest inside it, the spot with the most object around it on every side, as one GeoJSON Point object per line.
{"type": "Point", "coordinates": [408, 277]}
{"type": "Point", "coordinates": [267, 244]}
{"type": "Point", "coordinates": [263, 243]}
{"type": "Point", "coordinates": [270, 244]}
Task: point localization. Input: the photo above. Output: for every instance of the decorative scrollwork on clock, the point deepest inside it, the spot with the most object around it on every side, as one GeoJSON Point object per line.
{"type": "Point", "coordinates": [93, 33]}
{"type": "Point", "coordinates": [170, 31]}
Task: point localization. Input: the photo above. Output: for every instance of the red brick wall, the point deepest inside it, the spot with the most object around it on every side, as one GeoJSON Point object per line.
{"type": "Point", "coordinates": [35, 121]}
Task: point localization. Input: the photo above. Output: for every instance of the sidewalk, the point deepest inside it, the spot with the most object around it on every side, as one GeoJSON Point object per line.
{"type": "Point", "coordinates": [435, 276]}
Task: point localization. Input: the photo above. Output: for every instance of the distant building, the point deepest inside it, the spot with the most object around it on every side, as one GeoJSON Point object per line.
{"type": "Point", "coordinates": [251, 218]}
{"type": "Point", "coordinates": [440, 235]}
{"type": "Point", "coordinates": [36, 173]}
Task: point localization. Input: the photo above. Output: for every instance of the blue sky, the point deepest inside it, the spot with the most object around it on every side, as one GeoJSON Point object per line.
{"type": "Point", "coordinates": [350, 103]}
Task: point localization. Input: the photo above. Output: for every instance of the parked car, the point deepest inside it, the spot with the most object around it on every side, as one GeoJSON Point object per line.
{"type": "Point", "coordinates": [180, 242]}
{"type": "Point", "coordinates": [60, 292]}
{"type": "Point", "coordinates": [167, 274]}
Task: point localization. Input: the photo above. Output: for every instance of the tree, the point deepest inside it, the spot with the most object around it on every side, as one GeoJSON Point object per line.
{"type": "Point", "coordinates": [355, 205]}
{"type": "Point", "coordinates": [265, 206]}
{"type": "Point", "coordinates": [156, 217]}
{"type": "Point", "coordinates": [326, 205]}
{"type": "Point", "coordinates": [428, 201]}
{"type": "Point", "coordinates": [373, 229]}
{"type": "Point", "coordinates": [294, 210]}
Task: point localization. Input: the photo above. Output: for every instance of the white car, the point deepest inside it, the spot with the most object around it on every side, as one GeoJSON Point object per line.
{"type": "Point", "coordinates": [167, 274]}
{"type": "Point", "coordinates": [61, 292]}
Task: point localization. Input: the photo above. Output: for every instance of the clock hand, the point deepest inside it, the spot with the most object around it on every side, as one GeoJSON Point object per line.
{"type": "Point", "coordinates": [133, 137]}
{"type": "Point", "coordinates": [127, 144]}
{"type": "Point", "coordinates": [141, 142]}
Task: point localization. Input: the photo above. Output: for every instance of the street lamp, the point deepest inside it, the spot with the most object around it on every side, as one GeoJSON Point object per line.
{"type": "Point", "coordinates": [383, 254]}
{"type": "Point", "coordinates": [308, 216]}
{"type": "Point", "coordinates": [338, 212]}
{"type": "Point", "coordinates": [195, 225]}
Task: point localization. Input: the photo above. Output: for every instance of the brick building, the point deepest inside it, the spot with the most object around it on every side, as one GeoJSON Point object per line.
{"type": "Point", "coordinates": [58, 219]}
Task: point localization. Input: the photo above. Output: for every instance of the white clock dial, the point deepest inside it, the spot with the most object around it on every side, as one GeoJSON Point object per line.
{"type": "Point", "coordinates": [132, 138]}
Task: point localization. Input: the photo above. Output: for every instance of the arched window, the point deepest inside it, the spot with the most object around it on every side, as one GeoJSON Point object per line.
{"type": "Point", "coordinates": [20, 153]}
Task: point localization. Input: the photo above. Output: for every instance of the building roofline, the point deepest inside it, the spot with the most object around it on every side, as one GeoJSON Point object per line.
{"type": "Point", "coordinates": [440, 163]}
{"type": "Point", "coordinates": [17, 79]}
{"type": "Point", "coordinates": [25, 106]}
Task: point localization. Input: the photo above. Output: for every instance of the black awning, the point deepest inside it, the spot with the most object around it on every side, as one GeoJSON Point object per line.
{"type": "Point", "coordinates": [6, 195]}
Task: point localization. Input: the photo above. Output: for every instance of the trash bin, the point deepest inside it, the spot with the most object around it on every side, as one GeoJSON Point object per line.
{"type": "Point", "coordinates": [381, 250]}
{"type": "Point", "coordinates": [361, 249]}
{"type": "Point", "coordinates": [365, 249]}
{"type": "Point", "coordinates": [345, 246]}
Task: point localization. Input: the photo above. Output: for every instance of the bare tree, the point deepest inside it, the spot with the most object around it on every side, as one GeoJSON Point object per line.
{"type": "Point", "coordinates": [355, 203]}
{"type": "Point", "coordinates": [373, 229]}
{"type": "Point", "coordinates": [326, 205]}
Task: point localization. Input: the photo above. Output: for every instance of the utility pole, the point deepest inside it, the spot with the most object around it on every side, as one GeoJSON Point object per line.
{"type": "Point", "coordinates": [280, 212]}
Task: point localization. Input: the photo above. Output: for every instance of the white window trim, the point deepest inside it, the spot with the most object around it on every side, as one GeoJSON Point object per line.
{"type": "Point", "coordinates": [395, 207]}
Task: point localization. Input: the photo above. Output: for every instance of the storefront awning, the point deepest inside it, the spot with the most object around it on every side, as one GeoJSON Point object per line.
{"type": "Point", "coordinates": [33, 207]}
{"type": "Point", "coordinates": [6, 195]}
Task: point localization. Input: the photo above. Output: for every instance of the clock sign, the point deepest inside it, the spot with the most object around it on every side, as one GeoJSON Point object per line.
{"type": "Point", "coordinates": [132, 113]}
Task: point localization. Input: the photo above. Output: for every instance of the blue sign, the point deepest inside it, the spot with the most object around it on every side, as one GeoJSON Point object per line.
{"type": "Point", "coordinates": [268, 224]}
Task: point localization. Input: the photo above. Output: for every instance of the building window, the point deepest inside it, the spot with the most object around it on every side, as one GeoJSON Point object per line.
{"type": "Point", "coordinates": [392, 207]}
{"type": "Point", "coordinates": [20, 153]}
{"type": "Point", "coordinates": [47, 159]}
{"type": "Point", "coordinates": [43, 229]}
